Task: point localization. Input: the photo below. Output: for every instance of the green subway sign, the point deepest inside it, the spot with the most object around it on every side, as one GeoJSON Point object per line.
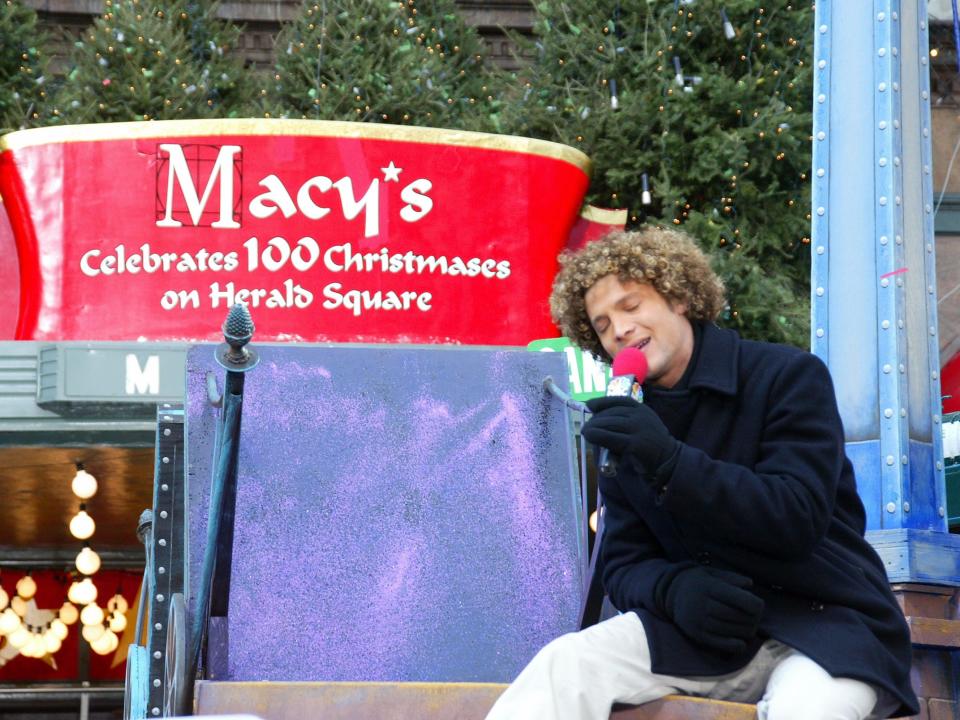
{"type": "Point", "coordinates": [588, 376]}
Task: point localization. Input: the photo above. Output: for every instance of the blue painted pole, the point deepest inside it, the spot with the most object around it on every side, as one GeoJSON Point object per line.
{"type": "Point", "coordinates": [873, 275]}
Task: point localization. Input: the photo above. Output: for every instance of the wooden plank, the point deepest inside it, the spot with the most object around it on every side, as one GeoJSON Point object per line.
{"type": "Point", "coordinates": [414, 701]}
{"type": "Point", "coordinates": [675, 707]}
{"type": "Point", "coordinates": [348, 700]}
{"type": "Point", "coordinates": [934, 632]}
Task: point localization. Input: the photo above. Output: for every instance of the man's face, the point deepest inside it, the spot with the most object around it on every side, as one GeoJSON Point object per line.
{"type": "Point", "coordinates": [633, 314]}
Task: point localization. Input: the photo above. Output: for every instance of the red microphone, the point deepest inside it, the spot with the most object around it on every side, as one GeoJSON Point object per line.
{"type": "Point", "coordinates": [629, 371]}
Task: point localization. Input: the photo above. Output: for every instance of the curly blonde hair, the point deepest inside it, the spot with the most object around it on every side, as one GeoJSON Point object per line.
{"type": "Point", "coordinates": [666, 259]}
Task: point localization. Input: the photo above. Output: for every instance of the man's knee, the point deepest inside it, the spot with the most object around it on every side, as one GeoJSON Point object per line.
{"type": "Point", "coordinates": [837, 699]}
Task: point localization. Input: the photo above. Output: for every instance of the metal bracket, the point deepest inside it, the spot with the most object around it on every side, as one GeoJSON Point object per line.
{"type": "Point", "coordinates": [168, 545]}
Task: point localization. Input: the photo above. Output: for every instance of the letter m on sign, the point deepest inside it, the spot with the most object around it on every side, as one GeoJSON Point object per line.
{"type": "Point", "coordinates": [142, 380]}
{"type": "Point", "coordinates": [199, 185]}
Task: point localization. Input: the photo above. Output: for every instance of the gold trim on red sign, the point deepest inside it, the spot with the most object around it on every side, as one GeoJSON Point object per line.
{"type": "Point", "coordinates": [310, 128]}
{"type": "Point", "coordinates": [606, 216]}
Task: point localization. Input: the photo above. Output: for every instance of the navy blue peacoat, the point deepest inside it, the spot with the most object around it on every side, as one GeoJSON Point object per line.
{"type": "Point", "coordinates": [763, 487]}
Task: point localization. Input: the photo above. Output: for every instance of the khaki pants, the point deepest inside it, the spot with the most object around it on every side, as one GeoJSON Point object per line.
{"type": "Point", "coordinates": [581, 675]}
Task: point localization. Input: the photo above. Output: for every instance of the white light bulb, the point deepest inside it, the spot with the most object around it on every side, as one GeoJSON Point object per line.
{"type": "Point", "coordinates": [92, 614]}
{"type": "Point", "coordinates": [38, 646]}
{"type": "Point", "coordinates": [90, 633]}
{"type": "Point", "coordinates": [84, 485]}
{"type": "Point", "coordinates": [51, 643]}
{"type": "Point", "coordinates": [34, 647]}
{"type": "Point", "coordinates": [82, 525]}
{"type": "Point", "coordinates": [118, 622]}
{"type": "Point", "coordinates": [19, 605]}
{"type": "Point", "coordinates": [26, 587]}
{"type": "Point", "coordinates": [86, 592]}
{"type": "Point", "coordinates": [117, 604]}
{"type": "Point", "coordinates": [59, 629]}
{"type": "Point", "coordinates": [9, 622]}
{"type": "Point", "coordinates": [4, 598]}
{"type": "Point", "coordinates": [103, 644]}
{"type": "Point", "coordinates": [100, 645]}
{"type": "Point", "coordinates": [88, 562]}
{"type": "Point", "coordinates": [69, 614]}
{"type": "Point", "coordinates": [114, 640]}
{"type": "Point", "coordinates": [20, 637]}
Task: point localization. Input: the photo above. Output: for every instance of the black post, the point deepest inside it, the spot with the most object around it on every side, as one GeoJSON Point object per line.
{"type": "Point", "coordinates": [214, 586]}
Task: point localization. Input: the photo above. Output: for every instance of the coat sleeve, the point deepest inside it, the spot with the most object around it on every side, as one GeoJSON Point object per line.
{"type": "Point", "coordinates": [782, 506]}
{"type": "Point", "coordinates": [633, 560]}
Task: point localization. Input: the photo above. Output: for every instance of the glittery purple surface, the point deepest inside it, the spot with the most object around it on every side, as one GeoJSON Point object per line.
{"type": "Point", "coordinates": [402, 513]}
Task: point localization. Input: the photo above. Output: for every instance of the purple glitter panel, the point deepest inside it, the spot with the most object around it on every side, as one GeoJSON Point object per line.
{"type": "Point", "coordinates": [403, 513]}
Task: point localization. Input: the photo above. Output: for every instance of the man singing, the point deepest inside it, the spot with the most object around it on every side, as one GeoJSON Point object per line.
{"type": "Point", "coordinates": [733, 543]}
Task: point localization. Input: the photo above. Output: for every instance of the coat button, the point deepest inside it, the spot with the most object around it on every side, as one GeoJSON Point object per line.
{"type": "Point", "coordinates": [816, 606]}
{"type": "Point", "coordinates": [660, 496]}
{"type": "Point", "coordinates": [704, 558]}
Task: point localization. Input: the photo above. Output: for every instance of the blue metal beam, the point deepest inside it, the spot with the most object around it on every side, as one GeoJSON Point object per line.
{"type": "Point", "coordinates": [873, 274]}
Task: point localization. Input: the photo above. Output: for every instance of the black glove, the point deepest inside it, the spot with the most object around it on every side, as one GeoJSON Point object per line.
{"type": "Point", "coordinates": [627, 427]}
{"type": "Point", "coordinates": [711, 607]}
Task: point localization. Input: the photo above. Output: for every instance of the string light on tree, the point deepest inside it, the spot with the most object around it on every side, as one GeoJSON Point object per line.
{"type": "Point", "coordinates": [728, 31]}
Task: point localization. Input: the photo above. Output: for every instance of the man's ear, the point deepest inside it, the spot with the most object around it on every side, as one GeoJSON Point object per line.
{"type": "Point", "coordinates": [680, 308]}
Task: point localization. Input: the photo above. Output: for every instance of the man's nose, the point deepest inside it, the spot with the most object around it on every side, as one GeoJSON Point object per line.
{"type": "Point", "coordinates": [622, 329]}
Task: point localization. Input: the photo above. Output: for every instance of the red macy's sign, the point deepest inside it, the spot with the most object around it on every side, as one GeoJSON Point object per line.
{"type": "Point", "coordinates": [328, 231]}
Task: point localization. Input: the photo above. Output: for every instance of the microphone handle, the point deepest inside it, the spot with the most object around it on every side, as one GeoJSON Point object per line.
{"type": "Point", "coordinates": [608, 465]}
{"type": "Point", "coordinates": [619, 386]}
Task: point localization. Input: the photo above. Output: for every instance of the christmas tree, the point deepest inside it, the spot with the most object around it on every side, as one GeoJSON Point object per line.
{"type": "Point", "coordinates": [382, 61]}
{"type": "Point", "coordinates": [211, 39]}
{"type": "Point", "coordinates": [154, 61]}
{"type": "Point", "coordinates": [472, 90]}
{"type": "Point", "coordinates": [23, 72]}
{"type": "Point", "coordinates": [696, 113]}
